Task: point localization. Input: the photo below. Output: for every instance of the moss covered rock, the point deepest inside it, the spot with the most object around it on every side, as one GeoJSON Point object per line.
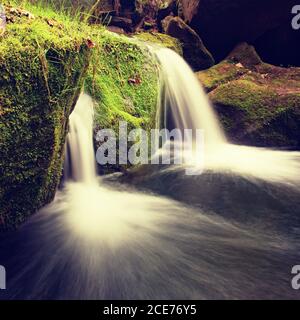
{"type": "Point", "coordinates": [160, 39]}
{"type": "Point", "coordinates": [123, 80]}
{"type": "Point", "coordinates": [259, 104]}
{"type": "Point", "coordinates": [43, 58]}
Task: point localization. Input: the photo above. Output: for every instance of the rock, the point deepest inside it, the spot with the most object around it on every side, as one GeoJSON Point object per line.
{"type": "Point", "coordinates": [106, 7]}
{"type": "Point", "coordinates": [169, 8]}
{"type": "Point", "coordinates": [124, 83]}
{"type": "Point", "coordinates": [122, 23]}
{"type": "Point", "coordinates": [194, 51]}
{"type": "Point", "coordinates": [258, 103]}
{"type": "Point", "coordinates": [160, 39]}
{"type": "Point", "coordinates": [116, 29]}
{"type": "Point", "coordinates": [39, 88]}
{"type": "Point", "coordinates": [222, 24]}
{"type": "Point", "coordinates": [165, 22]}
{"type": "Point", "coordinates": [244, 55]}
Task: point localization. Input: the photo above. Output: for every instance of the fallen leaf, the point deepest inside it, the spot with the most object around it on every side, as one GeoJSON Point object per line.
{"type": "Point", "coordinates": [90, 43]}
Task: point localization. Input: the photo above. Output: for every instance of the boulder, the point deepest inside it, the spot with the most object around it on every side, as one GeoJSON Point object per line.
{"type": "Point", "coordinates": [42, 66]}
{"type": "Point", "coordinates": [258, 103]}
{"type": "Point", "coordinates": [194, 51]}
{"type": "Point", "coordinates": [222, 24]}
{"type": "Point", "coordinates": [122, 23]}
{"type": "Point", "coordinates": [124, 82]}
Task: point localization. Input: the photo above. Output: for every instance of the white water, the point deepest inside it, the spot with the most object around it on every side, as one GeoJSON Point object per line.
{"type": "Point", "coordinates": [184, 98]}
{"type": "Point", "coordinates": [80, 163]}
{"type": "Point", "coordinates": [95, 211]}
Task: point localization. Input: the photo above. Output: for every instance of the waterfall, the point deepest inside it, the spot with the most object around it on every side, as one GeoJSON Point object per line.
{"type": "Point", "coordinates": [80, 157]}
{"type": "Point", "coordinates": [111, 241]}
{"type": "Point", "coordinates": [183, 104]}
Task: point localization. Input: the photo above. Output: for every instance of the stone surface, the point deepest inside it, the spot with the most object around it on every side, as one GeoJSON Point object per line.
{"type": "Point", "coordinates": [41, 75]}
{"type": "Point", "coordinates": [194, 51]}
{"type": "Point", "coordinates": [258, 103]}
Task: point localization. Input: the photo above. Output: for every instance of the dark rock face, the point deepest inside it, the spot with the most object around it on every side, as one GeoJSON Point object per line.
{"type": "Point", "coordinates": [222, 24]}
{"type": "Point", "coordinates": [121, 22]}
{"type": "Point", "coordinates": [258, 104]}
{"type": "Point", "coordinates": [194, 50]}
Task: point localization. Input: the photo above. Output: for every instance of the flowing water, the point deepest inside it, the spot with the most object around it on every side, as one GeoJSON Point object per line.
{"type": "Point", "coordinates": [184, 105]}
{"type": "Point", "coordinates": [102, 239]}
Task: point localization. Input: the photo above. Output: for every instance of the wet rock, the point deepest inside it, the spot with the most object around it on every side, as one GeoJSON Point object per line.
{"type": "Point", "coordinates": [258, 103]}
{"type": "Point", "coordinates": [37, 94]}
{"type": "Point", "coordinates": [122, 22]}
{"type": "Point", "coordinates": [194, 51]}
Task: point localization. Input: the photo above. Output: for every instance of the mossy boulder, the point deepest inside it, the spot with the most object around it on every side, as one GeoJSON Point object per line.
{"type": "Point", "coordinates": [45, 57]}
{"type": "Point", "coordinates": [160, 40]}
{"type": "Point", "coordinates": [123, 79]}
{"type": "Point", "coordinates": [259, 104]}
{"type": "Point", "coordinates": [43, 60]}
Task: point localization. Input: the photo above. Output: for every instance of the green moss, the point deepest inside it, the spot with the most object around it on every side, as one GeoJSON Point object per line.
{"type": "Point", "coordinates": [123, 79]}
{"type": "Point", "coordinates": [220, 74]}
{"type": "Point", "coordinates": [257, 102]}
{"type": "Point", "coordinates": [159, 39]}
{"type": "Point", "coordinates": [41, 75]}
{"type": "Point", "coordinates": [43, 63]}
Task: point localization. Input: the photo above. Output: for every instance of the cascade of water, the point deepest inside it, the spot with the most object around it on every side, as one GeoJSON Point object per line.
{"type": "Point", "coordinates": [120, 244]}
{"type": "Point", "coordinates": [184, 105]}
{"type": "Point", "coordinates": [80, 152]}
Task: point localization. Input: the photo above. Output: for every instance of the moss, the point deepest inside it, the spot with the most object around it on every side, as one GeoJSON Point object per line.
{"type": "Point", "coordinates": [160, 39]}
{"type": "Point", "coordinates": [44, 58]}
{"type": "Point", "coordinates": [123, 79]}
{"type": "Point", "coordinates": [41, 75]}
{"type": "Point", "coordinates": [219, 74]}
{"type": "Point", "coordinates": [255, 100]}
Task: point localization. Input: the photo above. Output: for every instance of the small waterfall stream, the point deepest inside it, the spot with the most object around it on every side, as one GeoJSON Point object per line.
{"type": "Point", "coordinates": [106, 240]}
{"type": "Point", "coordinates": [184, 105]}
{"type": "Point", "coordinates": [80, 162]}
